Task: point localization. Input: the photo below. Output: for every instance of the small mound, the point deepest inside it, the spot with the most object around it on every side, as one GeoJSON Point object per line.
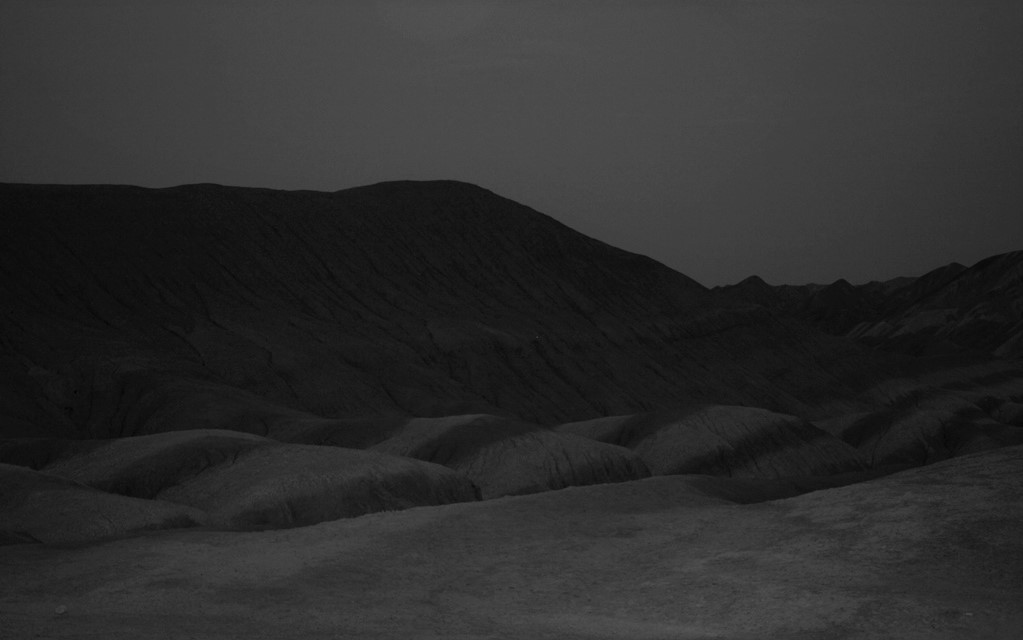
{"type": "Point", "coordinates": [508, 457]}
{"type": "Point", "coordinates": [741, 442]}
{"type": "Point", "coordinates": [36, 453]}
{"type": "Point", "coordinates": [922, 435]}
{"type": "Point", "coordinates": [754, 490]}
{"type": "Point", "coordinates": [143, 466]}
{"type": "Point", "coordinates": [350, 433]}
{"type": "Point", "coordinates": [285, 485]}
{"type": "Point", "coordinates": [40, 507]}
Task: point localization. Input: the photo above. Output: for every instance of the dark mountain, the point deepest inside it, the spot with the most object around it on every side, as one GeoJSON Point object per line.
{"type": "Point", "coordinates": [250, 358]}
{"type": "Point", "coordinates": [785, 296]}
{"type": "Point", "coordinates": [898, 293]}
{"type": "Point", "coordinates": [130, 310]}
{"type": "Point", "coordinates": [221, 359]}
{"type": "Point", "coordinates": [980, 308]}
{"type": "Point", "coordinates": [952, 309]}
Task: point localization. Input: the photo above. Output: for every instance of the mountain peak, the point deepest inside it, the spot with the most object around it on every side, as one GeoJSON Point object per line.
{"type": "Point", "coordinates": [753, 281]}
{"type": "Point", "coordinates": [419, 298]}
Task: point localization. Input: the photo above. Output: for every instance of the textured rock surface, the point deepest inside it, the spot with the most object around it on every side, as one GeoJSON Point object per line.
{"type": "Point", "coordinates": [739, 442]}
{"type": "Point", "coordinates": [922, 429]}
{"type": "Point", "coordinates": [294, 485]}
{"type": "Point", "coordinates": [39, 507]}
{"type": "Point", "coordinates": [981, 309]}
{"type": "Point", "coordinates": [508, 457]}
{"type": "Point", "coordinates": [143, 466]}
{"type": "Point", "coordinates": [240, 480]}
{"type": "Point", "coordinates": [441, 322]}
{"type": "Point", "coordinates": [131, 311]}
{"type": "Point", "coordinates": [932, 417]}
{"type": "Point", "coordinates": [931, 553]}
{"type": "Point", "coordinates": [948, 310]}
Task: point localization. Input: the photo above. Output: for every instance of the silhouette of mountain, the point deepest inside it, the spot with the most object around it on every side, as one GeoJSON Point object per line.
{"type": "Point", "coordinates": [256, 358]}
{"type": "Point", "coordinates": [132, 311]}
{"type": "Point", "coordinates": [979, 308]}
{"type": "Point", "coordinates": [952, 309]}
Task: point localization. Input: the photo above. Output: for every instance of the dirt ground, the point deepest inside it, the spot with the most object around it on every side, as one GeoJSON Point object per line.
{"type": "Point", "coordinates": [933, 552]}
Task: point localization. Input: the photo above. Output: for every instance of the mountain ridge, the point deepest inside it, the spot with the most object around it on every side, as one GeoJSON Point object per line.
{"type": "Point", "coordinates": [263, 358]}
{"type": "Point", "coordinates": [429, 298]}
{"type": "Point", "coordinates": [950, 309]}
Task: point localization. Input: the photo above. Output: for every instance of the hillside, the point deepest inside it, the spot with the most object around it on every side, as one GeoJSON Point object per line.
{"type": "Point", "coordinates": [980, 308]}
{"type": "Point", "coordinates": [247, 358]}
{"type": "Point", "coordinates": [952, 309]}
{"type": "Point", "coordinates": [130, 311]}
{"type": "Point", "coordinates": [930, 553]}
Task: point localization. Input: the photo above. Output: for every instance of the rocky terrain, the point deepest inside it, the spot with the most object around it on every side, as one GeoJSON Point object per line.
{"type": "Point", "coordinates": [239, 402]}
{"type": "Point", "coordinates": [952, 309]}
{"type": "Point", "coordinates": [416, 299]}
{"type": "Point", "coordinates": [930, 553]}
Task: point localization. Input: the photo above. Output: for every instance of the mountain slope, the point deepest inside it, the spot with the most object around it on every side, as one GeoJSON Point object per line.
{"type": "Point", "coordinates": [724, 441]}
{"type": "Point", "coordinates": [952, 309]}
{"type": "Point", "coordinates": [980, 308]}
{"type": "Point", "coordinates": [130, 310]}
{"type": "Point", "coordinates": [285, 358]}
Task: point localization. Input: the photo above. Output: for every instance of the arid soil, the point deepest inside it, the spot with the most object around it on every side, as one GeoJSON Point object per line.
{"type": "Point", "coordinates": [932, 552]}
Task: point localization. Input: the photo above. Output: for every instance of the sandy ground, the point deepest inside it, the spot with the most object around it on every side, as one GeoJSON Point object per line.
{"type": "Point", "coordinates": [933, 552]}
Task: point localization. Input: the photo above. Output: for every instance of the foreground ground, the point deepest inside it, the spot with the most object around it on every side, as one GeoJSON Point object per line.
{"type": "Point", "coordinates": [932, 552]}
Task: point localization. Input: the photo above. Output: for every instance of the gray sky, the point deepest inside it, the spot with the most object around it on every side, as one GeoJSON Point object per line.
{"type": "Point", "coordinates": [801, 140]}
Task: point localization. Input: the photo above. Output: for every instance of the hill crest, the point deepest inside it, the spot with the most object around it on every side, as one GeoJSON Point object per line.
{"type": "Point", "coordinates": [410, 298]}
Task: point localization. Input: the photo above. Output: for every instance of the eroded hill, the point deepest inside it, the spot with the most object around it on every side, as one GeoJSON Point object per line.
{"type": "Point", "coordinates": [126, 308]}
{"type": "Point", "coordinates": [250, 358]}
{"type": "Point", "coordinates": [952, 309]}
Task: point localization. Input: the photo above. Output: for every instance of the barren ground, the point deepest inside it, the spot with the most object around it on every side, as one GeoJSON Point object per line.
{"type": "Point", "coordinates": [932, 552]}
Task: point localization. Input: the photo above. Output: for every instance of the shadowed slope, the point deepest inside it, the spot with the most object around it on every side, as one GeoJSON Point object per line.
{"type": "Point", "coordinates": [926, 425]}
{"type": "Point", "coordinates": [421, 299]}
{"type": "Point", "coordinates": [502, 456]}
{"type": "Point", "coordinates": [942, 414]}
{"type": "Point", "coordinates": [508, 457]}
{"type": "Point", "coordinates": [144, 466]}
{"type": "Point", "coordinates": [39, 507]}
{"type": "Point", "coordinates": [739, 442]}
{"type": "Point", "coordinates": [981, 308]}
{"type": "Point", "coordinates": [930, 553]}
{"type": "Point", "coordinates": [295, 485]}
{"type": "Point", "coordinates": [948, 310]}
{"type": "Point", "coordinates": [241, 480]}
{"type": "Point", "coordinates": [920, 435]}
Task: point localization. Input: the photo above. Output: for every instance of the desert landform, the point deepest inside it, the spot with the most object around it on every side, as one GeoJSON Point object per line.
{"type": "Point", "coordinates": [422, 410]}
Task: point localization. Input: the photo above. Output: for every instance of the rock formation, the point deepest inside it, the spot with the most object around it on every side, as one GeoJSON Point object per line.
{"type": "Point", "coordinates": [261, 358]}
{"type": "Point", "coordinates": [236, 480]}
{"type": "Point", "coordinates": [39, 507]}
{"type": "Point", "coordinates": [980, 309]}
{"type": "Point", "coordinates": [132, 311]}
{"type": "Point", "coordinates": [740, 442]}
{"type": "Point", "coordinates": [509, 457]}
{"type": "Point", "coordinates": [932, 552]}
{"type": "Point", "coordinates": [952, 309]}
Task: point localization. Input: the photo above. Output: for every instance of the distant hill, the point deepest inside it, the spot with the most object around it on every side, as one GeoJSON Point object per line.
{"type": "Point", "coordinates": [979, 308]}
{"type": "Point", "coordinates": [952, 309]}
{"type": "Point", "coordinates": [130, 310]}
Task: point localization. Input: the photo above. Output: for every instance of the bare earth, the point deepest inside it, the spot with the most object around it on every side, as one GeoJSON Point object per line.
{"type": "Point", "coordinates": [932, 552]}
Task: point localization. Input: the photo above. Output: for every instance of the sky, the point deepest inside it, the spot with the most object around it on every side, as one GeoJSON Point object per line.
{"type": "Point", "coordinates": [799, 140]}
